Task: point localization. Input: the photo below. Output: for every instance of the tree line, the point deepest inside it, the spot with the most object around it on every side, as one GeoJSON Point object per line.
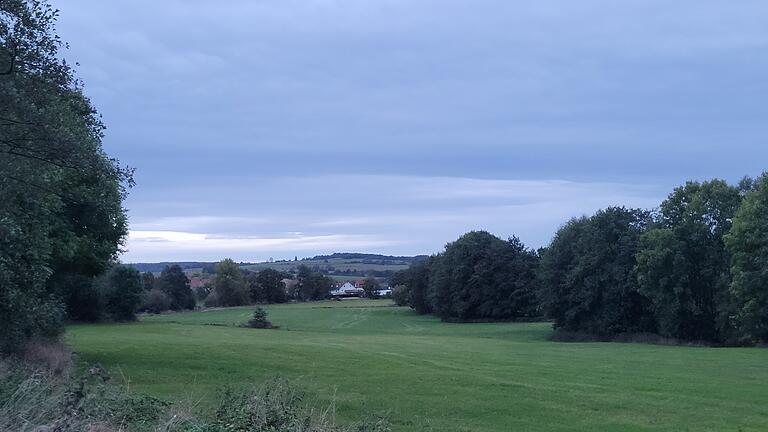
{"type": "Point", "coordinates": [695, 269]}
{"type": "Point", "coordinates": [230, 286]}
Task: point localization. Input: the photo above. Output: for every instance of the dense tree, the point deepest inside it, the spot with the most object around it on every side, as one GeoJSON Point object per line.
{"type": "Point", "coordinates": [202, 292]}
{"type": "Point", "coordinates": [267, 286]}
{"type": "Point", "coordinates": [415, 279]}
{"type": "Point", "coordinates": [371, 288]}
{"type": "Point", "coordinates": [480, 276]}
{"type": "Point", "coordinates": [123, 288]}
{"type": "Point", "coordinates": [175, 284]}
{"type": "Point", "coordinates": [60, 200]}
{"type": "Point", "coordinates": [84, 298]}
{"type": "Point", "coordinates": [148, 281]}
{"type": "Point", "coordinates": [155, 301]}
{"type": "Point", "coordinates": [312, 285]}
{"type": "Point", "coordinates": [588, 274]}
{"type": "Point", "coordinates": [401, 295]}
{"type": "Point", "coordinates": [683, 265]}
{"type": "Point", "coordinates": [747, 243]}
{"type": "Point", "coordinates": [229, 284]}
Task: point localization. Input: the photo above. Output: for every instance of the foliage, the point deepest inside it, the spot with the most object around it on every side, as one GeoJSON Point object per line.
{"type": "Point", "coordinates": [312, 285]}
{"type": "Point", "coordinates": [401, 295]}
{"type": "Point", "coordinates": [123, 288]}
{"type": "Point", "coordinates": [34, 399]}
{"type": "Point", "coordinates": [60, 201]}
{"type": "Point", "coordinates": [588, 274]}
{"type": "Point", "coordinates": [480, 276]}
{"type": "Point", "coordinates": [175, 284]}
{"type": "Point", "coordinates": [229, 284]}
{"type": "Point", "coordinates": [84, 298]}
{"type": "Point", "coordinates": [259, 319]}
{"type": "Point", "coordinates": [371, 288]}
{"type": "Point", "coordinates": [683, 265]}
{"type": "Point", "coordinates": [155, 301]}
{"type": "Point", "coordinates": [202, 292]}
{"type": "Point", "coordinates": [267, 286]}
{"type": "Point", "coordinates": [148, 281]}
{"type": "Point", "coordinates": [416, 280]}
{"type": "Point", "coordinates": [747, 243]}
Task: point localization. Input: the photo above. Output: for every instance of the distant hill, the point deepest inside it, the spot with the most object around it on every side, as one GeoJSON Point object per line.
{"type": "Point", "coordinates": [341, 265]}
{"type": "Point", "coordinates": [158, 267]}
{"type": "Point", "coordinates": [369, 258]}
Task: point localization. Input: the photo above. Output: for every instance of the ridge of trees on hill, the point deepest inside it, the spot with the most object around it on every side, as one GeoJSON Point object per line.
{"type": "Point", "coordinates": [692, 270]}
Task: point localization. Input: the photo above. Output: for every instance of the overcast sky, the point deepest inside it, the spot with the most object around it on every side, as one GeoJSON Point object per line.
{"type": "Point", "coordinates": [274, 128]}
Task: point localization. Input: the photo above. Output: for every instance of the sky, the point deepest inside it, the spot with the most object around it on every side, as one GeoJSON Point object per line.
{"type": "Point", "coordinates": [279, 128]}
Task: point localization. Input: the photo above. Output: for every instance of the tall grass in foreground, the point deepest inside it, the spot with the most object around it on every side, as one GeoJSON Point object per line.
{"type": "Point", "coordinates": [35, 397]}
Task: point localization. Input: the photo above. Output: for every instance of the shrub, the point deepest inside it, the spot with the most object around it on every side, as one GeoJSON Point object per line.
{"type": "Point", "coordinates": [371, 288]}
{"type": "Point", "coordinates": [123, 290]}
{"type": "Point", "coordinates": [259, 319]}
{"type": "Point", "coordinates": [279, 405]}
{"type": "Point", "coordinates": [156, 301]}
{"type": "Point", "coordinates": [401, 295]}
{"type": "Point", "coordinates": [212, 300]}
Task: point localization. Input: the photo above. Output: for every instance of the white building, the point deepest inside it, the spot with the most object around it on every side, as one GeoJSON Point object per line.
{"type": "Point", "coordinates": [347, 289]}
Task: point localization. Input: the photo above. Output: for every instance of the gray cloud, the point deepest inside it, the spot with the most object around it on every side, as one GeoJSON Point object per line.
{"type": "Point", "coordinates": [205, 97]}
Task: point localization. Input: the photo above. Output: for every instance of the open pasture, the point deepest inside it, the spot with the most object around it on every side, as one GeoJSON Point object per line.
{"type": "Point", "coordinates": [371, 357]}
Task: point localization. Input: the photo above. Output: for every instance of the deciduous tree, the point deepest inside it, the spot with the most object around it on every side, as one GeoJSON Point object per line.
{"type": "Point", "coordinates": [747, 243]}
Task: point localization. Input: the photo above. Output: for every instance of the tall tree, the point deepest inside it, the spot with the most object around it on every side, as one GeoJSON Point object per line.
{"type": "Point", "coordinates": [148, 281]}
{"type": "Point", "coordinates": [312, 285]}
{"type": "Point", "coordinates": [588, 274]}
{"type": "Point", "coordinates": [175, 284]}
{"type": "Point", "coordinates": [267, 286]}
{"type": "Point", "coordinates": [683, 265]}
{"type": "Point", "coordinates": [747, 242]}
{"type": "Point", "coordinates": [480, 276]}
{"type": "Point", "coordinates": [371, 287]}
{"type": "Point", "coordinates": [123, 288]}
{"type": "Point", "coordinates": [60, 201]}
{"type": "Point", "coordinates": [229, 284]}
{"type": "Point", "coordinates": [415, 281]}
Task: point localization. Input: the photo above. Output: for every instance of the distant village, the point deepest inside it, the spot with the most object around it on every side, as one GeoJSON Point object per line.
{"type": "Point", "coordinates": [342, 289]}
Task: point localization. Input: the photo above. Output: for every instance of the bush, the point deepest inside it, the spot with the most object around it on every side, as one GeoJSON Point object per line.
{"type": "Point", "coordinates": [156, 301]}
{"type": "Point", "coordinates": [400, 295]}
{"type": "Point", "coordinates": [123, 290]}
{"type": "Point", "coordinates": [259, 319]}
{"type": "Point", "coordinates": [279, 405]}
{"type": "Point", "coordinates": [212, 300]}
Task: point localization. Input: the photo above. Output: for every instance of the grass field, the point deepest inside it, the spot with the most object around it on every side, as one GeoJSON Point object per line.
{"type": "Point", "coordinates": [433, 376]}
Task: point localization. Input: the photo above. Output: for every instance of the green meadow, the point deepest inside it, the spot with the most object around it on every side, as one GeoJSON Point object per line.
{"type": "Point", "coordinates": [425, 375]}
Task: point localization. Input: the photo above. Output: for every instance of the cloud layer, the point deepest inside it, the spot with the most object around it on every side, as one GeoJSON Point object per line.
{"type": "Point", "coordinates": [219, 103]}
{"type": "Point", "coordinates": [393, 214]}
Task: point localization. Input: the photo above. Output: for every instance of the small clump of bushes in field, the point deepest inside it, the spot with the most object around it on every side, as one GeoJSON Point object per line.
{"type": "Point", "coordinates": [259, 320]}
{"type": "Point", "coordinates": [41, 391]}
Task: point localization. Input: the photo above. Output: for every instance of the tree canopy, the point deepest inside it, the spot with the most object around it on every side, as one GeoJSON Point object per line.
{"type": "Point", "coordinates": [683, 265]}
{"type": "Point", "coordinates": [588, 274]}
{"type": "Point", "coordinates": [61, 215]}
{"type": "Point", "coordinates": [175, 284]}
{"type": "Point", "coordinates": [747, 243]}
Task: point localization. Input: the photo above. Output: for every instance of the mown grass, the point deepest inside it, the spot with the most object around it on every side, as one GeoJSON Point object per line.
{"type": "Point", "coordinates": [436, 376]}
